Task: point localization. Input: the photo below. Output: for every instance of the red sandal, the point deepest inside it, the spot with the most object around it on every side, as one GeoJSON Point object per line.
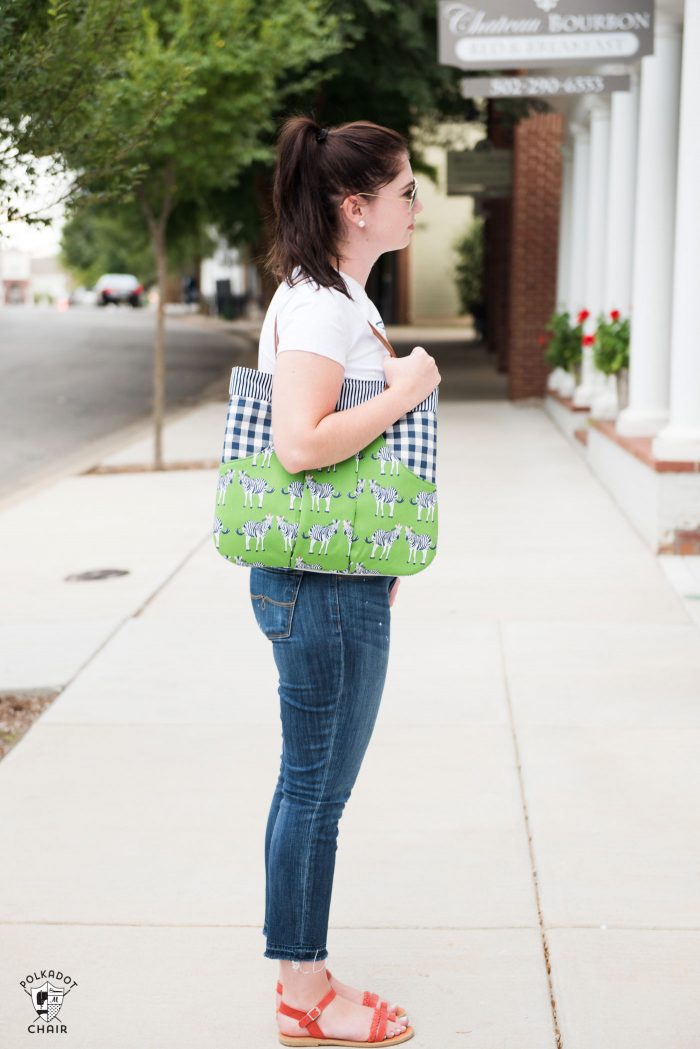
{"type": "Point", "coordinates": [315, 1036]}
{"type": "Point", "coordinates": [368, 998]}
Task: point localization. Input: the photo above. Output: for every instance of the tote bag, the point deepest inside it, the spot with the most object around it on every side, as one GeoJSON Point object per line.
{"type": "Point", "coordinates": [374, 513]}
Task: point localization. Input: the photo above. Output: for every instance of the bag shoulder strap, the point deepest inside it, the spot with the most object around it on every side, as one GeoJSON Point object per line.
{"type": "Point", "coordinates": [379, 335]}
{"type": "Point", "coordinates": [383, 339]}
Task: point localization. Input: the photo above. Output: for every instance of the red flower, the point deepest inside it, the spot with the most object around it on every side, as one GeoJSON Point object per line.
{"type": "Point", "coordinates": [615, 315]}
{"type": "Point", "coordinates": [588, 340]}
{"type": "Point", "coordinates": [543, 340]}
{"type": "Point", "coordinates": [583, 315]}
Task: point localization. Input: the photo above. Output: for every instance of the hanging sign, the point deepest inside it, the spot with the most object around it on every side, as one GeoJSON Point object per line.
{"type": "Point", "coordinates": [545, 86]}
{"type": "Point", "coordinates": [503, 34]}
{"type": "Point", "coordinates": [480, 172]}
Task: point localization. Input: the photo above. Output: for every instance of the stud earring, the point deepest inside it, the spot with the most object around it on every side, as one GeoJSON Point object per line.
{"type": "Point", "coordinates": [361, 223]}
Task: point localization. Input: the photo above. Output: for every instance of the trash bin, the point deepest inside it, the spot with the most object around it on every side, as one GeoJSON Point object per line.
{"type": "Point", "coordinates": [238, 305]}
{"type": "Point", "coordinates": [223, 298]}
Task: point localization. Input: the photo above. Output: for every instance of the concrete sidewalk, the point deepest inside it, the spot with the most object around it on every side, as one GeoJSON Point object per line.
{"type": "Point", "coordinates": [518, 864]}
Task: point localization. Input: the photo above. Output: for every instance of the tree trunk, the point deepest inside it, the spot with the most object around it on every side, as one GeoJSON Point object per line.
{"type": "Point", "coordinates": [160, 256]}
{"type": "Point", "coordinates": [157, 226]}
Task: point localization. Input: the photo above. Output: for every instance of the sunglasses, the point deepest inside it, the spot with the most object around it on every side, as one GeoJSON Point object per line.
{"type": "Point", "coordinates": [409, 195]}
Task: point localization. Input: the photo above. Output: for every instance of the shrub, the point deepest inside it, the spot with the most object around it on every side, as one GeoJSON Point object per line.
{"type": "Point", "coordinates": [564, 346]}
{"type": "Point", "coordinates": [612, 340]}
{"type": "Point", "coordinates": [469, 270]}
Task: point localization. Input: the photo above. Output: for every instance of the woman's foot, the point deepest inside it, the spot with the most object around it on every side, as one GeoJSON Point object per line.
{"type": "Point", "coordinates": [351, 993]}
{"type": "Point", "coordinates": [341, 1018]}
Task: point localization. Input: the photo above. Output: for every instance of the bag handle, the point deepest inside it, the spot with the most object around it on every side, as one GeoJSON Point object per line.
{"type": "Point", "coordinates": [379, 335]}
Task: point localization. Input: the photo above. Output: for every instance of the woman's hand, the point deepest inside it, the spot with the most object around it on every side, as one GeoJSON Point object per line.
{"type": "Point", "coordinates": [393, 589]}
{"type": "Point", "coordinates": [415, 375]}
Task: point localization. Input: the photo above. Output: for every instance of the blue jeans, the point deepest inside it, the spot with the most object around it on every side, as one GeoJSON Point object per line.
{"type": "Point", "coordinates": [330, 641]}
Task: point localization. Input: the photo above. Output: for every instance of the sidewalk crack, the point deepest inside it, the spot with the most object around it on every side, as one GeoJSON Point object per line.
{"type": "Point", "coordinates": [533, 866]}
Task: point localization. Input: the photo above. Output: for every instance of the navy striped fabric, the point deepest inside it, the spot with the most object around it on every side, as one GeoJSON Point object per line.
{"type": "Point", "coordinates": [412, 438]}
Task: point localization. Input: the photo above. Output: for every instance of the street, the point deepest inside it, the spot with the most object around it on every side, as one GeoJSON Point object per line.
{"type": "Point", "coordinates": [70, 379]}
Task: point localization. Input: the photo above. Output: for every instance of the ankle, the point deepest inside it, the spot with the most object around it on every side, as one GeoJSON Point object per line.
{"type": "Point", "coordinates": [304, 983]}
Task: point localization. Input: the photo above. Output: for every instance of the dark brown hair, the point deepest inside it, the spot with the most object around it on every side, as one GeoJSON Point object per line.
{"type": "Point", "coordinates": [312, 178]}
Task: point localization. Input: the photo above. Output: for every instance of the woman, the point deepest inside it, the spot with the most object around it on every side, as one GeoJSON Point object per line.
{"type": "Point", "coordinates": [342, 197]}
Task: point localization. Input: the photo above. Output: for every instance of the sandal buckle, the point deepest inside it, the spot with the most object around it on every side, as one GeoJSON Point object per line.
{"type": "Point", "coordinates": [313, 1014]}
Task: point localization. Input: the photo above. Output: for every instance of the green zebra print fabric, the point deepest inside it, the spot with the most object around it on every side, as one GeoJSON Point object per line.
{"type": "Point", "coordinates": [375, 513]}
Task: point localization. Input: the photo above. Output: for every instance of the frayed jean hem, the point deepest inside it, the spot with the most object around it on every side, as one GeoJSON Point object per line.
{"type": "Point", "coordinates": [296, 954]}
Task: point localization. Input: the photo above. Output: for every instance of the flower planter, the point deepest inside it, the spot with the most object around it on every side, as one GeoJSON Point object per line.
{"type": "Point", "coordinates": [622, 380]}
{"type": "Point", "coordinates": [569, 381]}
{"type": "Point", "coordinates": [555, 379]}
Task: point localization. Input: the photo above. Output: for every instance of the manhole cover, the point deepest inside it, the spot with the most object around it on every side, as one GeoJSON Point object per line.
{"type": "Point", "coordinates": [96, 573]}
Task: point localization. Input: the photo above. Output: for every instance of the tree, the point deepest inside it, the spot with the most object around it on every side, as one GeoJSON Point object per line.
{"type": "Point", "coordinates": [53, 58]}
{"type": "Point", "coordinates": [106, 238]}
{"type": "Point", "coordinates": [199, 82]}
{"type": "Point", "coordinates": [111, 237]}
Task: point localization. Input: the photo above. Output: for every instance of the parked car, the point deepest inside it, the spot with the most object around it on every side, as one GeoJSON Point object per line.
{"type": "Point", "coordinates": [118, 287]}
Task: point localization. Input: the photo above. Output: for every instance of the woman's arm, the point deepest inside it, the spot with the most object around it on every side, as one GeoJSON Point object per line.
{"type": "Point", "coordinates": [307, 431]}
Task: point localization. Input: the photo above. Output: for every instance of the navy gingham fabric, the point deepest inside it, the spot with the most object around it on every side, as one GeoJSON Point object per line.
{"type": "Point", "coordinates": [412, 438]}
{"type": "Point", "coordinates": [248, 428]}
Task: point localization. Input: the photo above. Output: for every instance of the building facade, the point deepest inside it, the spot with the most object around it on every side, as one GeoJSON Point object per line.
{"type": "Point", "coordinates": [629, 240]}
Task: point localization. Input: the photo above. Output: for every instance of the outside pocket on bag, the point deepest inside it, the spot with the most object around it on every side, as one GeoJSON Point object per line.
{"type": "Point", "coordinates": [273, 595]}
{"type": "Point", "coordinates": [412, 440]}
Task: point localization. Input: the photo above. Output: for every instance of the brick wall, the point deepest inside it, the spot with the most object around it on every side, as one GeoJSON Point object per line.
{"type": "Point", "coordinates": [537, 168]}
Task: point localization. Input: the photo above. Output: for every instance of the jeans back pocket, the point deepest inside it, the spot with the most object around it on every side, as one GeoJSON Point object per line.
{"type": "Point", "coordinates": [273, 594]}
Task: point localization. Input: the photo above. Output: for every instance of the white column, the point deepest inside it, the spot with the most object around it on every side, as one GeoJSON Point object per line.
{"type": "Point", "coordinates": [564, 255]}
{"type": "Point", "coordinates": [592, 381]}
{"type": "Point", "coordinates": [619, 233]}
{"type": "Point", "coordinates": [579, 203]}
{"type": "Point", "coordinates": [619, 244]}
{"type": "Point", "coordinates": [680, 440]}
{"type": "Point", "coordinates": [652, 274]}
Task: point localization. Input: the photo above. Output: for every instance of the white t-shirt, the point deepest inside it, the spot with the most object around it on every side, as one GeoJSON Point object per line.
{"type": "Point", "coordinates": [324, 321]}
